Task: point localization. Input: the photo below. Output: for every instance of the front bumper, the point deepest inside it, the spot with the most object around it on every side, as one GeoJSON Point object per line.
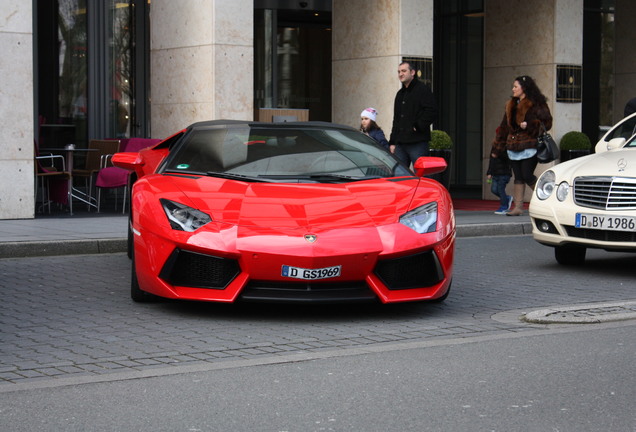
{"type": "Point", "coordinates": [248, 273]}
{"type": "Point", "coordinates": [553, 224]}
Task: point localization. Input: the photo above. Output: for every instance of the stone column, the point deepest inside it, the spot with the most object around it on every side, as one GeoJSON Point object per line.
{"type": "Point", "coordinates": [546, 34]}
{"type": "Point", "coordinates": [369, 40]}
{"type": "Point", "coordinates": [201, 57]}
{"type": "Point", "coordinates": [16, 111]}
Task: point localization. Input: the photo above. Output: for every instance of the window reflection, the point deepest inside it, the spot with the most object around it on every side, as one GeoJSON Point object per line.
{"type": "Point", "coordinates": [120, 61]}
{"type": "Point", "coordinates": [86, 68]}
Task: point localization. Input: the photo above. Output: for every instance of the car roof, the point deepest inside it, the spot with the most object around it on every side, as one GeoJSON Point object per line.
{"type": "Point", "coordinates": [269, 125]}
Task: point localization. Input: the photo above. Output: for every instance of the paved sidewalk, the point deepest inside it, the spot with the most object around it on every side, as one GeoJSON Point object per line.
{"type": "Point", "coordinates": [106, 233]}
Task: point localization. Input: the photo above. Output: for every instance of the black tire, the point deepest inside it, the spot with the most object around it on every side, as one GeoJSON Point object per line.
{"type": "Point", "coordinates": [129, 242]}
{"type": "Point", "coordinates": [570, 255]}
{"type": "Point", "coordinates": [136, 293]}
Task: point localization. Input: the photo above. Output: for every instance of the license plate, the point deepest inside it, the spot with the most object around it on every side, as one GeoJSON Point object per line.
{"type": "Point", "coordinates": [310, 274]}
{"type": "Point", "coordinates": [603, 222]}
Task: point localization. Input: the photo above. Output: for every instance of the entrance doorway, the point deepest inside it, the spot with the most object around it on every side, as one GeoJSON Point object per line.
{"type": "Point", "coordinates": [292, 56]}
{"type": "Point", "coordinates": [459, 65]}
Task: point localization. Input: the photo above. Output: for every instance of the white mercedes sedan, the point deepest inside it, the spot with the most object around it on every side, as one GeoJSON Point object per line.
{"type": "Point", "coordinates": [589, 202]}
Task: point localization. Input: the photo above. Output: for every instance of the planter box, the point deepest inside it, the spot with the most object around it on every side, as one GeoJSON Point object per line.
{"type": "Point", "coordinates": [443, 177]}
{"type": "Point", "coordinates": [573, 154]}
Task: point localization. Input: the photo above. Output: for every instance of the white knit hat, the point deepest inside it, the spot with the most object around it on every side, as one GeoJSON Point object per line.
{"type": "Point", "coordinates": [370, 113]}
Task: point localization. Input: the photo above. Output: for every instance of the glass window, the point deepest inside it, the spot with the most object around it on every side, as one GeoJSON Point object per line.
{"type": "Point", "coordinates": [284, 154]}
{"type": "Point", "coordinates": [73, 60]}
{"type": "Point", "coordinates": [88, 54]}
{"type": "Point", "coordinates": [120, 69]}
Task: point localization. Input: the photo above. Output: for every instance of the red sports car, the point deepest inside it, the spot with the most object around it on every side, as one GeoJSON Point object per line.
{"type": "Point", "coordinates": [307, 212]}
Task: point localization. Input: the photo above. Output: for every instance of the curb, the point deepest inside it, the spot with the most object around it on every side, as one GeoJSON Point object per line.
{"type": "Point", "coordinates": [62, 247]}
{"type": "Point", "coordinates": [503, 229]}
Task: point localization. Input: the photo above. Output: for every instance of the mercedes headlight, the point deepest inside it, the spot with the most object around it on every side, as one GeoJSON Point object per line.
{"type": "Point", "coordinates": [562, 191]}
{"type": "Point", "coordinates": [182, 217]}
{"type": "Point", "coordinates": [422, 219]}
{"type": "Point", "coordinates": [545, 185]}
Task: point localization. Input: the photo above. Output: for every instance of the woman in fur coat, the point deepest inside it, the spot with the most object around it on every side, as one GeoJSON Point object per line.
{"type": "Point", "coordinates": [517, 135]}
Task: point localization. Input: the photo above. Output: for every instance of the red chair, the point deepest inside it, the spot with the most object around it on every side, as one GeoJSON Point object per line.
{"type": "Point", "coordinates": [53, 181]}
{"type": "Point", "coordinates": [110, 177]}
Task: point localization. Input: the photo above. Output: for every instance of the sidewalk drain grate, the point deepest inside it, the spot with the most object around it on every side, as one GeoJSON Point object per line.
{"type": "Point", "coordinates": [584, 314]}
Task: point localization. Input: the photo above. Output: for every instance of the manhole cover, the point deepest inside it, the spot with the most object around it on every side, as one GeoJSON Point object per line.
{"type": "Point", "coordinates": [583, 314]}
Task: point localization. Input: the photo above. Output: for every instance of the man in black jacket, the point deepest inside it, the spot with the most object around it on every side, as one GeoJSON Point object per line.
{"type": "Point", "coordinates": [414, 112]}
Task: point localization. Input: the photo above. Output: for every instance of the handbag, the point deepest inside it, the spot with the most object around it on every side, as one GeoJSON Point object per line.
{"type": "Point", "coordinates": [547, 148]}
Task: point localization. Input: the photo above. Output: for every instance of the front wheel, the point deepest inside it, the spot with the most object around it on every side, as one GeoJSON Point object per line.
{"type": "Point", "coordinates": [136, 293]}
{"type": "Point", "coordinates": [129, 240]}
{"type": "Point", "coordinates": [570, 254]}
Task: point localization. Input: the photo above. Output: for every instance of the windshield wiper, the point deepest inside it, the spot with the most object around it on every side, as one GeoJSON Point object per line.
{"type": "Point", "coordinates": [319, 178]}
{"type": "Point", "coordinates": [335, 177]}
{"type": "Point", "coordinates": [240, 177]}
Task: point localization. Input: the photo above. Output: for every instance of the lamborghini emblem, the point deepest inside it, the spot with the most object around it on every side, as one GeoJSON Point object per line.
{"type": "Point", "coordinates": [311, 237]}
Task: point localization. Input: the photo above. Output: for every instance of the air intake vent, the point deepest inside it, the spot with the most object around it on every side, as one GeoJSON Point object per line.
{"type": "Point", "coordinates": [191, 269]}
{"type": "Point", "coordinates": [415, 271]}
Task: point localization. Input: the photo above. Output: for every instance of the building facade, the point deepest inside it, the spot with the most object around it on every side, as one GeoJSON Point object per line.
{"type": "Point", "coordinates": [75, 69]}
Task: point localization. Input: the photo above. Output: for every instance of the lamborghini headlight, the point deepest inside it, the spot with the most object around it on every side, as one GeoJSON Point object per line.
{"type": "Point", "coordinates": [184, 218]}
{"type": "Point", "coordinates": [422, 219]}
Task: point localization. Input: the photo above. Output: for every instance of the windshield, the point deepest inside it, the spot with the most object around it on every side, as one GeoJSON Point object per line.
{"type": "Point", "coordinates": [631, 143]}
{"type": "Point", "coordinates": [282, 154]}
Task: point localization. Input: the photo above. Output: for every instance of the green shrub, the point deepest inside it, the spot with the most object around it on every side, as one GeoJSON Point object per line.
{"type": "Point", "coordinates": [575, 140]}
{"type": "Point", "coordinates": [440, 140]}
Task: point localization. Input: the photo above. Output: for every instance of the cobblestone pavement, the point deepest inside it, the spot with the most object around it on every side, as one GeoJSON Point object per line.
{"type": "Point", "coordinates": [71, 316]}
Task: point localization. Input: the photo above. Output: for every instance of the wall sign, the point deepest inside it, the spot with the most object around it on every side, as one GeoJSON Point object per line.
{"type": "Point", "coordinates": [569, 83]}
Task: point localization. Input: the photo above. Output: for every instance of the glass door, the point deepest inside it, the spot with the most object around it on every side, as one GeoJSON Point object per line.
{"type": "Point", "coordinates": [292, 57]}
{"type": "Point", "coordinates": [459, 60]}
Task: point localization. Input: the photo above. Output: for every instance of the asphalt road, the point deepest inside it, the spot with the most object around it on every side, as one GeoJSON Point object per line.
{"type": "Point", "coordinates": [77, 354]}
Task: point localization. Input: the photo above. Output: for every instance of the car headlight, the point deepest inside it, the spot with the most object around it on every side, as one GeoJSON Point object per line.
{"type": "Point", "coordinates": [422, 219]}
{"type": "Point", "coordinates": [184, 218]}
{"type": "Point", "coordinates": [545, 185]}
{"type": "Point", "coordinates": [562, 191]}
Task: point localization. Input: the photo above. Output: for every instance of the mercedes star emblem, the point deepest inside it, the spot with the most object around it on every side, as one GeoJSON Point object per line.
{"type": "Point", "coordinates": [622, 164]}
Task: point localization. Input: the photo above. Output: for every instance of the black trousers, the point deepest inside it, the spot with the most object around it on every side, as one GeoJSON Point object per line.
{"type": "Point", "coordinates": [524, 170]}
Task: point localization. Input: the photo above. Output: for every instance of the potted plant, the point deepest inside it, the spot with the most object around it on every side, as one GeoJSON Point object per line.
{"type": "Point", "coordinates": [574, 144]}
{"type": "Point", "coordinates": [441, 146]}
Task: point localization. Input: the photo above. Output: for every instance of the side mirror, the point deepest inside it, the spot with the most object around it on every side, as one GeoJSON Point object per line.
{"type": "Point", "coordinates": [612, 144]}
{"type": "Point", "coordinates": [428, 165]}
{"type": "Point", "coordinates": [616, 143]}
{"type": "Point", "coordinates": [128, 161]}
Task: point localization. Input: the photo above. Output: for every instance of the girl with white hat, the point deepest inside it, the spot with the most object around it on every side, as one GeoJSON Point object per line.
{"type": "Point", "coordinates": [371, 128]}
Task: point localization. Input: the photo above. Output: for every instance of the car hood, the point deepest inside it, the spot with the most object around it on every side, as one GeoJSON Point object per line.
{"type": "Point", "coordinates": [614, 163]}
{"type": "Point", "coordinates": [356, 204]}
